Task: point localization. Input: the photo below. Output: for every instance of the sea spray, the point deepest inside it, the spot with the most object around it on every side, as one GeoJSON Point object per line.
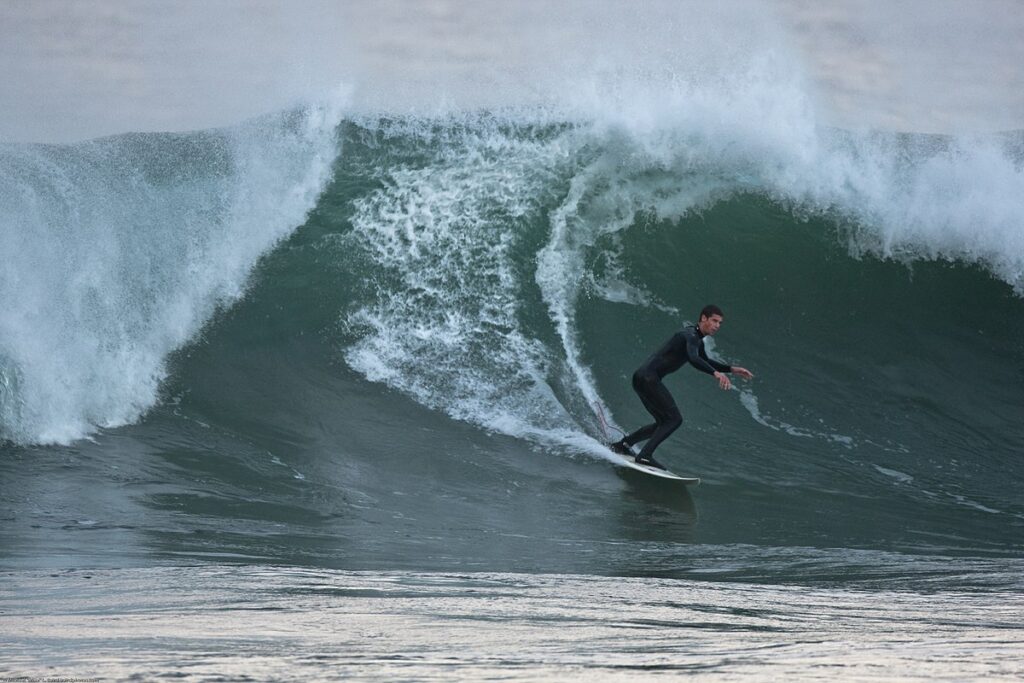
{"type": "Point", "coordinates": [903, 196]}
{"type": "Point", "coordinates": [118, 250]}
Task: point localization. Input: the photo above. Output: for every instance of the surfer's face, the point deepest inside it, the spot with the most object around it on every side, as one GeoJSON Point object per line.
{"type": "Point", "coordinates": [709, 325]}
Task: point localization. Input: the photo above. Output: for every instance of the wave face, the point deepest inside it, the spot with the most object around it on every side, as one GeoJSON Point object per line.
{"type": "Point", "coordinates": [119, 250]}
{"type": "Point", "coordinates": [514, 273]}
{"type": "Point", "coordinates": [493, 245]}
{"type": "Point", "coordinates": [417, 375]}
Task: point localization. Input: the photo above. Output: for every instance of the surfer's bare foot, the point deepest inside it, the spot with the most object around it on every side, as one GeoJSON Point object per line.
{"type": "Point", "coordinates": [650, 462]}
{"type": "Point", "coordinates": [620, 447]}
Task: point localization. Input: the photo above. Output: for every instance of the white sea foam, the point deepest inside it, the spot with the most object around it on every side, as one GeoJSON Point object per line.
{"type": "Point", "coordinates": [749, 401]}
{"type": "Point", "coordinates": [117, 251]}
{"type": "Point", "coordinates": [900, 477]}
{"type": "Point", "coordinates": [673, 142]}
{"type": "Point", "coordinates": [445, 325]}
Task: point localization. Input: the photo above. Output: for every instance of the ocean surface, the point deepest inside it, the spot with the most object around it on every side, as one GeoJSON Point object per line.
{"type": "Point", "coordinates": [322, 394]}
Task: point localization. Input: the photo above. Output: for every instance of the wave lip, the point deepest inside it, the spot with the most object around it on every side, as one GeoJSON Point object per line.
{"type": "Point", "coordinates": [120, 249]}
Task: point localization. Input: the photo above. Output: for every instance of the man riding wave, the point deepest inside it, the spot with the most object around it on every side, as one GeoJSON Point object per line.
{"type": "Point", "coordinates": [685, 346]}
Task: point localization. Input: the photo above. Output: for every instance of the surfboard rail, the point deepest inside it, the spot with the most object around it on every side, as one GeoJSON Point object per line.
{"type": "Point", "coordinates": [627, 461]}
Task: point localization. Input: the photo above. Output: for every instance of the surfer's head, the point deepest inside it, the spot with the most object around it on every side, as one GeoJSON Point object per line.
{"type": "Point", "coordinates": [710, 319]}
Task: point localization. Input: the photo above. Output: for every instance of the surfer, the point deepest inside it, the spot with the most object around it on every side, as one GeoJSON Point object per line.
{"type": "Point", "coordinates": [686, 345]}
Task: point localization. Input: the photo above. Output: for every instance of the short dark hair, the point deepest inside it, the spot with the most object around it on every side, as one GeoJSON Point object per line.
{"type": "Point", "coordinates": [710, 310]}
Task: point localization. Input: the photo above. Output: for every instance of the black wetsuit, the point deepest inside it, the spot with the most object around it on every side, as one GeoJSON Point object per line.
{"type": "Point", "coordinates": [686, 345]}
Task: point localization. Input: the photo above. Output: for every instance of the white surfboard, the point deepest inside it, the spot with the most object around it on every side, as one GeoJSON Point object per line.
{"type": "Point", "coordinates": [628, 461]}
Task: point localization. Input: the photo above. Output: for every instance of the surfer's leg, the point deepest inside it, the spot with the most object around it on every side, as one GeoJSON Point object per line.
{"type": "Point", "coordinates": [624, 446]}
{"type": "Point", "coordinates": [641, 384]}
{"type": "Point", "coordinates": [640, 434]}
{"type": "Point", "coordinates": [663, 407]}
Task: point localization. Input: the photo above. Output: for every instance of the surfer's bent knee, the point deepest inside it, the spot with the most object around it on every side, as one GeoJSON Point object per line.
{"type": "Point", "coordinates": [644, 380]}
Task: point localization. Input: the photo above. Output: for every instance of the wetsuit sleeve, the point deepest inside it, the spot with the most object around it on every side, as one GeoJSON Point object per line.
{"type": "Point", "coordinates": [695, 354]}
{"type": "Point", "coordinates": [721, 367]}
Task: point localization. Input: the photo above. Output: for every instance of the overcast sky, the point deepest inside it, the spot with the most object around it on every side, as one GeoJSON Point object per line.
{"type": "Point", "coordinates": [74, 69]}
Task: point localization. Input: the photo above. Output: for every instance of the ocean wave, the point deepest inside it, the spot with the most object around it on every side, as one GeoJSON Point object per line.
{"type": "Point", "coordinates": [482, 234]}
{"type": "Point", "coordinates": [119, 250]}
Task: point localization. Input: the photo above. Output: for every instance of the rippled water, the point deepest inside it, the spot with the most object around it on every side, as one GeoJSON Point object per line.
{"type": "Point", "coordinates": [233, 623]}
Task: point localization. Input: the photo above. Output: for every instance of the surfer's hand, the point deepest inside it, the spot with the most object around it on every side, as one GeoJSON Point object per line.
{"type": "Point", "coordinates": [742, 372]}
{"type": "Point", "coordinates": [723, 380]}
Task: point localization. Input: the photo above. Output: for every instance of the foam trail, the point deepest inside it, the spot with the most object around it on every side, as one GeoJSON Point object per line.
{"type": "Point", "coordinates": [125, 247]}
{"type": "Point", "coordinates": [444, 323]}
{"type": "Point", "coordinates": [557, 267]}
{"type": "Point", "coordinates": [749, 401]}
